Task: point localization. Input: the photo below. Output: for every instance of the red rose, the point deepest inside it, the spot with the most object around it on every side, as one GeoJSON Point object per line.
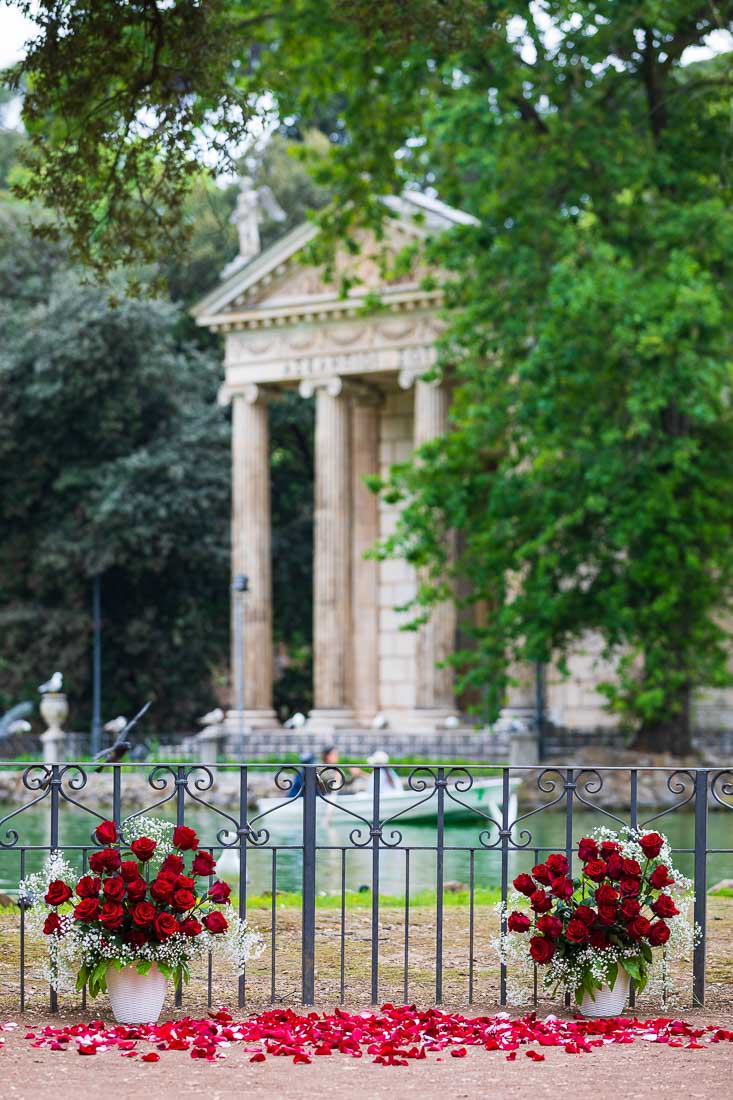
{"type": "Point", "coordinates": [144, 913]}
{"type": "Point", "coordinates": [586, 914]}
{"type": "Point", "coordinates": [608, 847]}
{"type": "Point", "coordinates": [541, 949]}
{"type": "Point", "coordinates": [576, 931]}
{"type": "Point", "coordinates": [137, 889]}
{"type": "Point", "coordinates": [551, 926]}
{"type": "Point", "coordinates": [190, 927]}
{"type": "Point", "coordinates": [183, 900]}
{"type": "Point", "coordinates": [172, 864]}
{"type": "Point", "coordinates": [143, 848]}
{"type": "Point", "coordinates": [518, 922]}
{"type": "Point", "coordinates": [109, 859]}
{"type": "Point", "coordinates": [660, 877]}
{"type": "Point", "coordinates": [204, 864]}
{"type": "Point", "coordinates": [165, 925]}
{"type": "Point", "coordinates": [638, 927]}
{"type": "Point", "coordinates": [220, 893]}
{"type": "Point", "coordinates": [664, 906]}
{"type": "Point", "coordinates": [87, 910]}
{"type": "Point", "coordinates": [658, 933]}
{"type": "Point", "coordinates": [606, 914]}
{"type": "Point", "coordinates": [651, 845]}
{"type": "Point", "coordinates": [595, 869]}
{"type": "Point", "coordinates": [216, 922]}
{"type": "Point", "coordinates": [136, 937]}
{"type": "Point", "coordinates": [184, 883]}
{"type": "Point", "coordinates": [615, 866]}
{"type": "Point", "coordinates": [599, 939]}
{"type": "Point", "coordinates": [185, 839]}
{"type": "Point", "coordinates": [114, 889]}
{"type": "Point", "coordinates": [106, 833]}
{"type": "Point", "coordinates": [606, 895]}
{"type": "Point", "coordinates": [52, 924]}
{"type": "Point", "coordinates": [88, 887]}
{"type": "Point", "coordinates": [630, 908]}
{"type": "Point", "coordinates": [58, 892]}
{"type": "Point", "coordinates": [542, 874]}
{"type": "Point", "coordinates": [112, 915]}
{"type": "Point", "coordinates": [557, 865]}
{"type": "Point", "coordinates": [129, 869]}
{"type": "Point", "coordinates": [161, 889]}
{"type": "Point", "coordinates": [631, 868]}
{"type": "Point", "coordinates": [587, 849]}
{"type": "Point", "coordinates": [629, 887]}
{"type": "Point", "coordinates": [524, 884]}
{"type": "Point", "coordinates": [562, 887]}
{"type": "Point", "coordinates": [539, 900]}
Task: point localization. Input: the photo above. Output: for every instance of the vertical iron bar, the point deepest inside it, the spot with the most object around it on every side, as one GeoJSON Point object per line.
{"type": "Point", "coordinates": [504, 872]}
{"type": "Point", "coordinates": [117, 794]}
{"type": "Point", "coordinates": [343, 925]}
{"type": "Point", "coordinates": [406, 979]}
{"type": "Point", "coordinates": [53, 1002]}
{"type": "Point", "coordinates": [375, 884]}
{"type": "Point", "coordinates": [569, 792]}
{"type": "Point", "coordinates": [180, 815]}
{"type": "Point", "coordinates": [633, 822]}
{"type": "Point", "coordinates": [242, 883]}
{"type": "Point", "coordinates": [439, 868]}
{"type": "Point", "coordinates": [309, 884]}
{"type": "Point", "coordinates": [22, 936]}
{"type": "Point", "coordinates": [701, 885]}
{"type": "Point", "coordinates": [471, 887]}
{"type": "Point", "coordinates": [273, 926]}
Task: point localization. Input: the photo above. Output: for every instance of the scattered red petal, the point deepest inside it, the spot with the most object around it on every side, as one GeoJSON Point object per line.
{"type": "Point", "coordinates": [151, 1056]}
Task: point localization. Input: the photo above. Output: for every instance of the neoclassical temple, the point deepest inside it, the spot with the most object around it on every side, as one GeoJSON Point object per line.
{"type": "Point", "coordinates": [286, 327]}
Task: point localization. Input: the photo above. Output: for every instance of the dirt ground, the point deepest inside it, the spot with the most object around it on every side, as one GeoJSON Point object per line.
{"type": "Point", "coordinates": [637, 1070]}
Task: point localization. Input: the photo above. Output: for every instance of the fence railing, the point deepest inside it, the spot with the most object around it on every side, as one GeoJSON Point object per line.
{"type": "Point", "coordinates": [369, 878]}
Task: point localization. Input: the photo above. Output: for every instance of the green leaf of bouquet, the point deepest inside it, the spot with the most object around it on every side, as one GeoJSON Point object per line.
{"type": "Point", "coordinates": [612, 975]}
{"type": "Point", "coordinates": [144, 966]}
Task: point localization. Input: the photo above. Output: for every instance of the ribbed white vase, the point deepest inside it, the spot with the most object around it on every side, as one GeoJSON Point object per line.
{"type": "Point", "coordinates": [136, 998]}
{"type": "Point", "coordinates": [608, 1002]}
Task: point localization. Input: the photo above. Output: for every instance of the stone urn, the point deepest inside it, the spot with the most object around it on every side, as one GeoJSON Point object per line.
{"type": "Point", "coordinates": [54, 709]}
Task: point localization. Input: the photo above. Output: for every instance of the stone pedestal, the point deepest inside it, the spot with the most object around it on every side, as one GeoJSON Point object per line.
{"type": "Point", "coordinates": [208, 743]}
{"type": "Point", "coordinates": [251, 551]}
{"type": "Point", "coordinates": [54, 709]}
{"type": "Point", "coordinates": [332, 610]}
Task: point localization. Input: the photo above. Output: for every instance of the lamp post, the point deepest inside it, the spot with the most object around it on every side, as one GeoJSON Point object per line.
{"type": "Point", "coordinates": [96, 732]}
{"type": "Point", "coordinates": [240, 587]}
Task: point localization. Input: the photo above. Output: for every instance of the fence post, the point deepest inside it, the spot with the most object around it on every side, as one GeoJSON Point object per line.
{"type": "Point", "coordinates": [309, 884]}
{"type": "Point", "coordinates": [701, 884]}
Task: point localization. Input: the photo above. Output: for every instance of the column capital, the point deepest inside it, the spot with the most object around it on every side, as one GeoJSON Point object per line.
{"type": "Point", "coordinates": [336, 386]}
{"type": "Point", "coordinates": [408, 376]}
{"type": "Point", "coordinates": [251, 393]}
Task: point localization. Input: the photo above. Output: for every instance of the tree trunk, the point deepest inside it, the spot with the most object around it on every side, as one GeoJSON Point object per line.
{"type": "Point", "coordinates": [672, 734]}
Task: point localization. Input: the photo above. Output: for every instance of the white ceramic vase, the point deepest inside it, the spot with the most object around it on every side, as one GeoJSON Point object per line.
{"type": "Point", "coordinates": [608, 1002]}
{"type": "Point", "coordinates": [136, 998]}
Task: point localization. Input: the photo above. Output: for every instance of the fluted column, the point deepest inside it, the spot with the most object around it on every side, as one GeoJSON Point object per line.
{"type": "Point", "coordinates": [251, 554]}
{"type": "Point", "coordinates": [332, 609]}
{"type": "Point", "coordinates": [365, 572]}
{"type": "Point", "coordinates": [434, 693]}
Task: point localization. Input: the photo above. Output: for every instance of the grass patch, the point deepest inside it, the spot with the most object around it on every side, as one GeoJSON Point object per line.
{"type": "Point", "coordinates": [362, 899]}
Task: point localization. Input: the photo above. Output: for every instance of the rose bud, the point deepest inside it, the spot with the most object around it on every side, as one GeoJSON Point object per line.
{"type": "Point", "coordinates": [215, 922]}
{"type": "Point", "coordinates": [606, 895]}
{"type": "Point", "coordinates": [58, 892]}
{"type": "Point", "coordinates": [615, 866]}
{"type": "Point", "coordinates": [607, 914]}
{"type": "Point", "coordinates": [524, 884]}
{"type": "Point", "coordinates": [161, 889]}
{"type": "Point", "coordinates": [87, 910]}
{"type": "Point", "coordinates": [220, 893]}
{"type": "Point", "coordinates": [114, 889]}
{"type": "Point", "coordinates": [557, 864]}
{"type": "Point", "coordinates": [541, 949]}
{"type": "Point", "coordinates": [185, 839]}
{"type": "Point", "coordinates": [137, 889]}
{"type": "Point", "coordinates": [629, 887]}
{"type": "Point", "coordinates": [88, 886]}
{"type": "Point", "coordinates": [129, 869]}
{"type": "Point", "coordinates": [112, 915]}
{"type": "Point", "coordinates": [608, 847]}
{"type": "Point", "coordinates": [595, 869]}
{"type": "Point", "coordinates": [630, 908]}
{"type": "Point", "coordinates": [659, 933]}
{"type": "Point", "coordinates": [165, 925]}
{"type": "Point", "coordinates": [106, 833]}
{"type": "Point", "coordinates": [204, 864]}
{"type": "Point", "coordinates": [599, 939]}
{"type": "Point", "coordinates": [136, 937]}
{"type": "Point", "coordinates": [143, 848]}
{"type": "Point", "coordinates": [109, 859]}
{"type": "Point", "coordinates": [172, 864]}
{"type": "Point", "coordinates": [190, 927]}
{"type": "Point", "coordinates": [586, 914]}
{"type": "Point", "coordinates": [651, 845]}
{"type": "Point", "coordinates": [660, 877]}
{"type": "Point", "coordinates": [551, 926]}
{"type": "Point", "coordinates": [631, 868]}
{"type": "Point", "coordinates": [183, 900]}
{"type": "Point", "coordinates": [587, 849]}
{"type": "Point", "coordinates": [664, 906]}
{"type": "Point", "coordinates": [638, 927]}
{"type": "Point", "coordinates": [184, 883]}
{"type": "Point", "coordinates": [518, 922]}
{"type": "Point", "coordinates": [52, 924]}
{"type": "Point", "coordinates": [562, 888]}
{"type": "Point", "coordinates": [144, 913]}
{"type": "Point", "coordinates": [542, 874]}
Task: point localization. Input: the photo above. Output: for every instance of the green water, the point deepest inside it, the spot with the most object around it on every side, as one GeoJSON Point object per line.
{"type": "Point", "coordinates": [547, 828]}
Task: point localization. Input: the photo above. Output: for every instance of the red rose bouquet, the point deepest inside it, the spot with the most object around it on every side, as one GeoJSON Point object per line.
{"type": "Point", "coordinates": [148, 901]}
{"type": "Point", "coordinates": [625, 901]}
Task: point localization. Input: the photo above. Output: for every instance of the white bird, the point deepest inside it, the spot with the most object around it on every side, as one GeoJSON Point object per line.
{"type": "Point", "coordinates": [452, 722]}
{"type": "Point", "coordinates": [213, 718]}
{"type": "Point", "coordinates": [379, 721]}
{"type": "Point", "coordinates": [116, 725]}
{"type": "Point", "coordinates": [20, 726]}
{"type": "Point", "coordinates": [295, 721]}
{"type": "Point", "coordinates": [54, 684]}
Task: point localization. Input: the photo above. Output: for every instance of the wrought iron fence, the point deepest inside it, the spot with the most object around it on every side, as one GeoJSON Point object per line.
{"type": "Point", "coordinates": [295, 827]}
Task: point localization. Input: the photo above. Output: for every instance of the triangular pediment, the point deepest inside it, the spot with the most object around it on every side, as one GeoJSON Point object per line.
{"type": "Point", "coordinates": [278, 280]}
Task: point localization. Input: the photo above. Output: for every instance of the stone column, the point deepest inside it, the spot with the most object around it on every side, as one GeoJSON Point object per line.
{"type": "Point", "coordinates": [434, 695]}
{"type": "Point", "coordinates": [332, 608]}
{"type": "Point", "coordinates": [365, 572]}
{"type": "Point", "coordinates": [251, 555]}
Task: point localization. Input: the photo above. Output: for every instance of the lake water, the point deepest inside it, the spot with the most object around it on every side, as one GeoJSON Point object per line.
{"type": "Point", "coordinates": [548, 832]}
